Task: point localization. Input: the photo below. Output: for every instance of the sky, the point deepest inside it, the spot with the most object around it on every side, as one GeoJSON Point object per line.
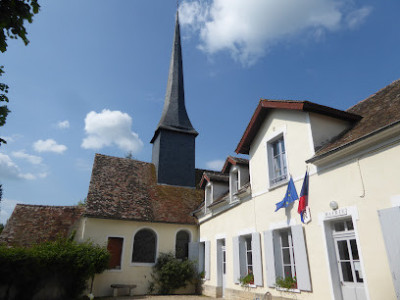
{"type": "Point", "coordinates": [94, 75]}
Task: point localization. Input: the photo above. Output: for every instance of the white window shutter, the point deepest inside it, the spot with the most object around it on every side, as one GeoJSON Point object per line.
{"type": "Point", "coordinates": [257, 261]}
{"type": "Point", "coordinates": [207, 260]}
{"type": "Point", "coordinates": [236, 262]}
{"type": "Point", "coordinates": [269, 257]}
{"type": "Point", "coordinates": [301, 259]}
{"type": "Point", "coordinates": [390, 223]}
{"type": "Point", "coordinates": [194, 251]}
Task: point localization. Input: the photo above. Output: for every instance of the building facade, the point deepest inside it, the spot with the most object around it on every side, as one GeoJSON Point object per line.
{"type": "Point", "coordinates": [349, 247]}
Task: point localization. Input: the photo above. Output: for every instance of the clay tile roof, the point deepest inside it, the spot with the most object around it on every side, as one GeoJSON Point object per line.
{"type": "Point", "coordinates": [126, 189]}
{"type": "Point", "coordinates": [31, 224]}
{"type": "Point", "coordinates": [209, 176]}
{"type": "Point", "coordinates": [378, 112]}
{"type": "Point", "coordinates": [265, 106]}
{"type": "Point", "coordinates": [231, 160]}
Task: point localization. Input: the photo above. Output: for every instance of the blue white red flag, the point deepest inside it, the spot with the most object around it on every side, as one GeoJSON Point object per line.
{"type": "Point", "coordinates": [290, 196]}
{"type": "Point", "coordinates": [303, 202]}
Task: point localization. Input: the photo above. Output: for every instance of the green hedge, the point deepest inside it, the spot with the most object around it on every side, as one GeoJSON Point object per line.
{"type": "Point", "coordinates": [58, 269]}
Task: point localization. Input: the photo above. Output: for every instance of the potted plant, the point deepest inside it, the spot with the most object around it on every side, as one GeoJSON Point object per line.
{"type": "Point", "coordinates": [247, 280]}
{"type": "Point", "coordinates": [288, 283]}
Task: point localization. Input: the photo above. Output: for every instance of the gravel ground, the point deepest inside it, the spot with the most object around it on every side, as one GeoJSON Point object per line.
{"type": "Point", "coordinates": [180, 297]}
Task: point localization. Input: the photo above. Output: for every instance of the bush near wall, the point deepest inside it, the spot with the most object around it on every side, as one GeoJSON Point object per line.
{"type": "Point", "coordinates": [55, 270]}
{"type": "Point", "coordinates": [171, 273]}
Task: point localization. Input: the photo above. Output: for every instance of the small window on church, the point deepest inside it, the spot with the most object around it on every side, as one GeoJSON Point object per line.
{"type": "Point", "coordinates": [144, 246]}
{"type": "Point", "coordinates": [114, 246]}
{"type": "Point", "coordinates": [182, 244]}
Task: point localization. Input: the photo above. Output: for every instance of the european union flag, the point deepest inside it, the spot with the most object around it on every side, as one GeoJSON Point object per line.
{"type": "Point", "coordinates": [291, 195]}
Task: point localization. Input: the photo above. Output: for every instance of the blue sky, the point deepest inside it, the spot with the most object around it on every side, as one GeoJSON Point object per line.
{"type": "Point", "coordinates": [93, 78]}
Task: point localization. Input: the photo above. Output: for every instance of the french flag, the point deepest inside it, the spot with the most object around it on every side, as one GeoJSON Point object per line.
{"type": "Point", "coordinates": [303, 202]}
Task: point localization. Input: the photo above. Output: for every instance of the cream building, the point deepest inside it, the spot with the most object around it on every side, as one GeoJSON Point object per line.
{"type": "Point", "coordinates": [350, 250]}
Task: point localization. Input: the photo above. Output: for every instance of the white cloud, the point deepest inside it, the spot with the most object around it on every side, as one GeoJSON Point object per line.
{"type": "Point", "coordinates": [355, 18]}
{"type": "Point", "coordinates": [215, 164]}
{"type": "Point", "coordinates": [49, 145]}
{"type": "Point", "coordinates": [110, 128]}
{"type": "Point", "coordinates": [33, 159]}
{"type": "Point", "coordinates": [9, 170]}
{"type": "Point", "coordinates": [247, 29]}
{"type": "Point", "coordinates": [63, 124]}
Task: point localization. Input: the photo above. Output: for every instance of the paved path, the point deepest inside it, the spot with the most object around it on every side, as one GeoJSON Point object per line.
{"type": "Point", "coordinates": [179, 297]}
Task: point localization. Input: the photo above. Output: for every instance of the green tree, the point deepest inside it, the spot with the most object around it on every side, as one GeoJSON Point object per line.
{"type": "Point", "coordinates": [13, 14]}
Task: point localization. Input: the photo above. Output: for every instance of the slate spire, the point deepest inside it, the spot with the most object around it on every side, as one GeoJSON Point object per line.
{"type": "Point", "coordinates": [174, 139]}
{"type": "Point", "coordinates": [174, 116]}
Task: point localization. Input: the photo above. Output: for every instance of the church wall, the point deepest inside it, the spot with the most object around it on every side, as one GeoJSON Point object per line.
{"type": "Point", "coordinates": [98, 231]}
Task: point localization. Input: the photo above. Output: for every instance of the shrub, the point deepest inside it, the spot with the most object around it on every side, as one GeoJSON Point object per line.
{"type": "Point", "coordinates": [63, 266]}
{"type": "Point", "coordinates": [170, 274]}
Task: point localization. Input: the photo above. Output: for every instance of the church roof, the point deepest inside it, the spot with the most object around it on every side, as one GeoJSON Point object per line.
{"type": "Point", "coordinates": [32, 224]}
{"type": "Point", "coordinates": [379, 112]}
{"type": "Point", "coordinates": [126, 189]}
{"type": "Point", "coordinates": [174, 116]}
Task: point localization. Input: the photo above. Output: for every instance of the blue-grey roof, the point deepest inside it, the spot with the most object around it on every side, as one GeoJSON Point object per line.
{"type": "Point", "coordinates": [174, 116]}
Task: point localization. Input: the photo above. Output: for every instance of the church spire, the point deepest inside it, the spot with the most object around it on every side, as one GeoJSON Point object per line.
{"type": "Point", "coordinates": [174, 139]}
{"type": "Point", "coordinates": [174, 116]}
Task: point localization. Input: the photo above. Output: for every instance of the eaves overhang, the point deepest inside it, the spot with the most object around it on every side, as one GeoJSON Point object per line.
{"type": "Point", "coordinates": [368, 140]}
{"type": "Point", "coordinates": [265, 106]}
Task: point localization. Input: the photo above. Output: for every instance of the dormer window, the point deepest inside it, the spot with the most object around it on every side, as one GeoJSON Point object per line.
{"type": "Point", "coordinates": [208, 195]}
{"type": "Point", "coordinates": [233, 182]}
{"type": "Point", "coordinates": [277, 160]}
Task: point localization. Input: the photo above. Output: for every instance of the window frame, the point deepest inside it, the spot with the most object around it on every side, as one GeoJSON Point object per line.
{"type": "Point", "coordinates": [208, 197]}
{"type": "Point", "coordinates": [290, 247]}
{"type": "Point", "coordinates": [273, 179]}
{"type": "Point", "coordinates": [132, 263]}
{"type": "Point", "coordinates": [234, 182]}
{"type": "Point", "coordinates": [273, 253]}
{"type": "Point", "coordinates": [187, 245]}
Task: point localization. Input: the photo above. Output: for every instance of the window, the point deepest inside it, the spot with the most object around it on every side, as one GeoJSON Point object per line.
{"type": "Point", "coordinates": [247, 257]}
{"type": "Point", "coordinates": [114, 246]}
{"type": "Point", "coordinates": [277, 161]}
{"type": "Point", "coordinates": [288, 261]}
{"type": "Point", "coordinates": [182, 244]}
{"type": "Point", "coordinates": [234, 178]}
{"type": "Point", "coordinates": [286, 255]}
{"type": "Point", "coordinates": [208, 196]}
{"type": "Point", "coordinates": [144, 246]}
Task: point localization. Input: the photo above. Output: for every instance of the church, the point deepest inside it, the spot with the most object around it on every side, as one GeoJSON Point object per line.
{"type": "Point", "coordinates": [341, 243]}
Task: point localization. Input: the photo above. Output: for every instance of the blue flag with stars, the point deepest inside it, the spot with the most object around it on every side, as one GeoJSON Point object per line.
{"type": "Point", "coordinates": [291, 195]}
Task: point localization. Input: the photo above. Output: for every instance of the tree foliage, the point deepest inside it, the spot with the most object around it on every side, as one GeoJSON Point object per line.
{"type": "Point", "coordinates": [61, 267]}
{"type": "Point", "coordinates": [13, 14]}
{"type": "Point", "coordinates": [3, 108]}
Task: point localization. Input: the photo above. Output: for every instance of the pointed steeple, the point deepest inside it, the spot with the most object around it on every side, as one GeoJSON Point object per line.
{"type": "Point", "coordinates": [174, 116]}
{"type": "Point", "coordinates": [174, 144]}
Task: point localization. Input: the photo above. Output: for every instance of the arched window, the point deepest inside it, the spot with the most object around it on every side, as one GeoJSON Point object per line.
{"type": "Point", "coordinates": [144, 246]}
{"type": "Point", "coordinates": [182, 244]}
